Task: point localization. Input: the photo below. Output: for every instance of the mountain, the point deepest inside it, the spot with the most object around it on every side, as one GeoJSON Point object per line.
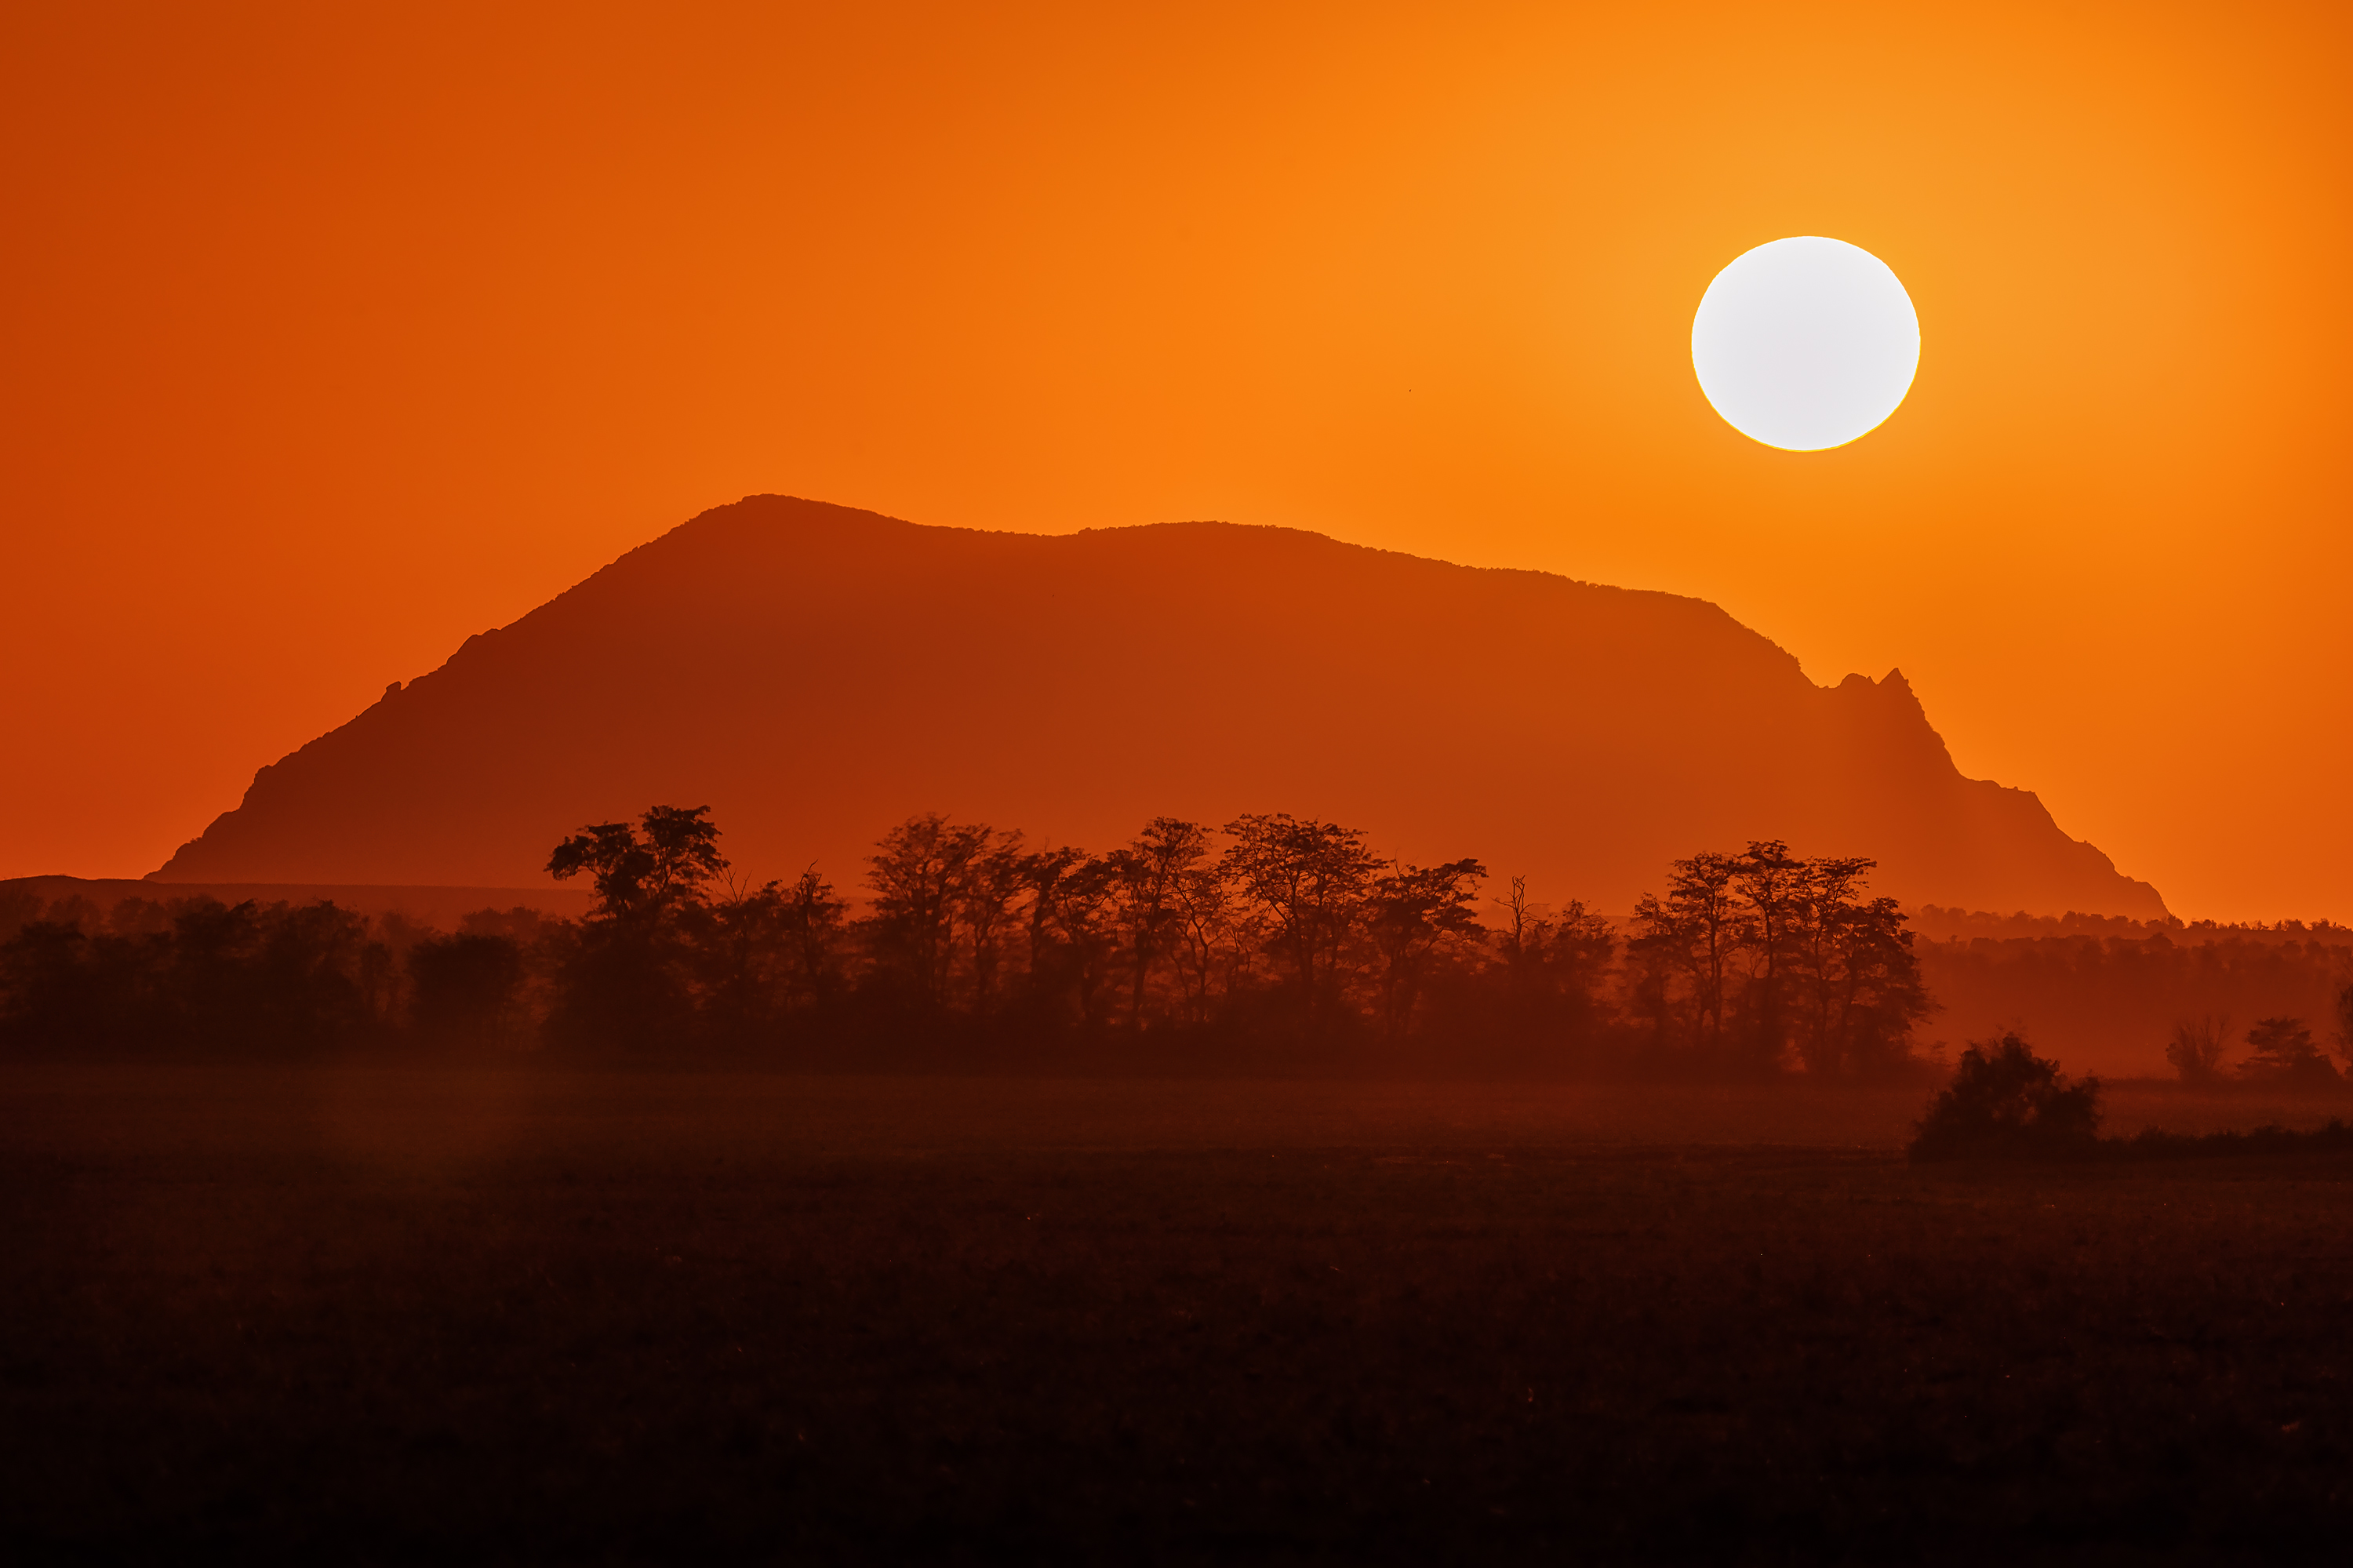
{"type": "Point", "coordinates": [815, 674]}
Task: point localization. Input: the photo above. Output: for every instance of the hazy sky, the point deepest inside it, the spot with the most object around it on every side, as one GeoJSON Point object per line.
{"type": "Point", "coordinates": [333, 338]}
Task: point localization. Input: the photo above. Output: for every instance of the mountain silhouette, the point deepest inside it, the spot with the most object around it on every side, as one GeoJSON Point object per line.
{"type": "Point", "coordinates": [817, 674]}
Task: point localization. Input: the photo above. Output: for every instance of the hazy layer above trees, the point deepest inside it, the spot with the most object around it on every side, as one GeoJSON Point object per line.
{"type": "Point", "coordinates": [817, 673]}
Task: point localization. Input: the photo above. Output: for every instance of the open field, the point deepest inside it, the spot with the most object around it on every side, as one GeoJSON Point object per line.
{"type": "Point", "coordinates": [382, 1314]}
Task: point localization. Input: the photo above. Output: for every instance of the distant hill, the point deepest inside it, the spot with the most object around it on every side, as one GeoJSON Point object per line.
{"type": "Point", "coordinates": [815, 674]}
{"type": "Point", "coordinates": [26, 899]}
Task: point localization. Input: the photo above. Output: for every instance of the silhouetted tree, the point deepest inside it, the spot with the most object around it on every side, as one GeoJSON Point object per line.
{"type": "Point", "coordinates": [243, 978]}
{"type": "Point", "coordinates": [1296, 931]}
{"type": "Point", "coordinates": [19, 908]}
{"type": "Point", "coordinates": [215, 966]}
{"type": "Point", "coordinates": [132, 917]}
{"type": "Point", "coordinates": [766, 962]}
{"type": "Point", "coordinates": [1822, 948]}
{"type": "Point", "coordinates": [1828, 974]}
{"type": "Point", "coordinates": [1854, 972]}
{"type": "Point", "coordinates": [1418, 918]}
{"type": "Point", "coordinates": [311, 957]}
{"type": "Point", "coordinates": [628, 979]}
{"type": "Point", "coordinates": [917, 875]}
{"type": "Point", "coordinates": [246, 976]}
{"type": "Point", "coordinates": [1311, 879]}
{"type": "Point", "coordinates": [1551, 970]}
{"type": "Point", "coordinates": [737, 954]}
{"type": "Point", "coordinates": [1147, 885]}
{"type": "Point", "coordinates": [52, 992]}
{"type": "Point", "coordinates": [2005, 1102]}
{"type": "Point", "coordinates": [2284, 1056]}
{"type": "Point", "coordinates": [1071, 939]}
{"type": "Point", "coordinates": [815, 925]}
{"type": "Point", "coordinates": [1691, 936]}
{"type": "Point", "coordinates": [670, 858]}
{"type": "Point", "coordinates": [990, 886]}
{"type": "Point", "coordinates": [1771, 890]}
{"type": "Point", "coordinates": [2197, 1048]}
{"type": "Point", "coordinates": [1215, 943]}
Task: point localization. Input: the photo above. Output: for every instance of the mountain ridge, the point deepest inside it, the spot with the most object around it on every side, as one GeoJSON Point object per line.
{"type": "Point", "coordinates": [818, 673]}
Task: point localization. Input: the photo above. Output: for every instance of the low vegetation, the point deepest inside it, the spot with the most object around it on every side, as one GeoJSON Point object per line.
{"type": "Point", "coordinates": [2163, 993]}
{"type": "Point", "coordinates": [2005, 1103]}
{"type": "Point", "coordinates": [1278, 943]}
{"type": "Point", "coordinates": [2271, 1139]}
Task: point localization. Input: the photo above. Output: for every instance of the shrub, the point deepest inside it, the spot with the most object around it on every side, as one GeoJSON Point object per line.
{"type": "Point", "coordinates": [2152, 1143]}
{"type": "Point", "coordinates": [2197, 1049]}
{"type": "Point", "coordinates": [2284, 1056]}
{"type": "Point", "coordinates": [2006, 1103]}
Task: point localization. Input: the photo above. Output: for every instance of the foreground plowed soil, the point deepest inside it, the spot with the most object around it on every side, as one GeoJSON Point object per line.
{"type": "Point", "coordinates": [544, 1315]}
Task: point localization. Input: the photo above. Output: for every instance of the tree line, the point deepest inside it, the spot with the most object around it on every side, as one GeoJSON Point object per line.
{"type": "Point", "coordinates": [2174, 991]}
{"type": "Point", "coordinates": [1274, 941]}
{"type": "Point", "coordinates": [2281, 1052]}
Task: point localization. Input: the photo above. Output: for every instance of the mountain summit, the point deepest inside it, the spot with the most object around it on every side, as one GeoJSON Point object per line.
{"type": "Point", "coordinates": [817, 674]}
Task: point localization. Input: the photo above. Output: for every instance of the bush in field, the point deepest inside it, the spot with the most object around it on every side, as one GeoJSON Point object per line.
{"type": "Point", "coordinates": [2284, 1056]}
{"type": "Point", "coordinates": [2196, 1050]}
{"type": "Point", "coordinates": [2006, 1103]}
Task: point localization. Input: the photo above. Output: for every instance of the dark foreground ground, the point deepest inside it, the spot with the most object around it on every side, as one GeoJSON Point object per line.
{"type": "Point", "coordinates": [543, 1317]}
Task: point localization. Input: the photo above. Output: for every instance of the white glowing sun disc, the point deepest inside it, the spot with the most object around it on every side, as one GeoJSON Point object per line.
{"type": "Point", "coordinates": [1806, 343]}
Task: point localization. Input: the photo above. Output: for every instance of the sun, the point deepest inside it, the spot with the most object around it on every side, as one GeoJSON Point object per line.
{"type": "Point", "coordinates": [1806, 343]}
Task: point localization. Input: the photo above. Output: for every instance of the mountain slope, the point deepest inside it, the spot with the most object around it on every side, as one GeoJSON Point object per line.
{"type": "Point", "coordinates": [816, 674]}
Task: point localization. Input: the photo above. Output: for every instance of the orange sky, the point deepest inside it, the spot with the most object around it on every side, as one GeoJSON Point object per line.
{"type": "Point", "coordinates": [331, 339]}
